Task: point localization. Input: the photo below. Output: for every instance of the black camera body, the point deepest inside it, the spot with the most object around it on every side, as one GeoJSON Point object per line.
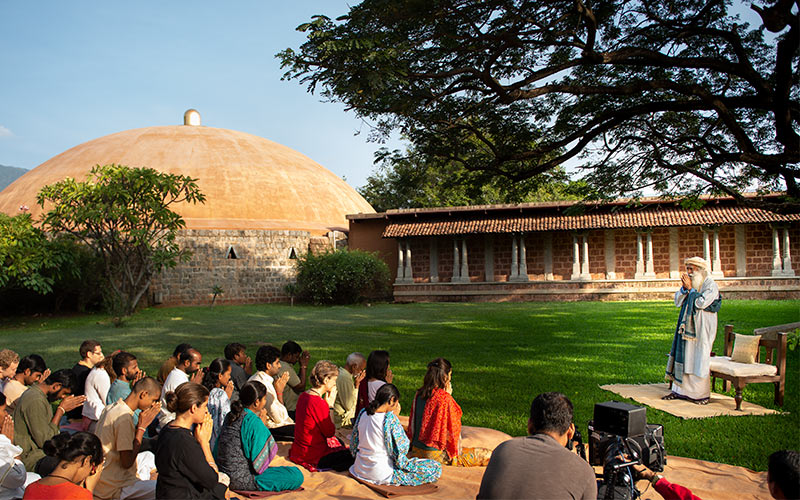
{"type": "Point", "coordinates": [619, 436]}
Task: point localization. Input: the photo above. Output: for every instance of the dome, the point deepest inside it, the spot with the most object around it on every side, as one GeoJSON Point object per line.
{"type": "Point", "coordinates": [249, 182]}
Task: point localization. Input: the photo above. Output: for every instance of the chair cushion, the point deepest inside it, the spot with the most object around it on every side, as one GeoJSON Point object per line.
{"type": "Point", "coordinates": [745, 348]}
{"type": "Point", "coordinates": [724, 365]}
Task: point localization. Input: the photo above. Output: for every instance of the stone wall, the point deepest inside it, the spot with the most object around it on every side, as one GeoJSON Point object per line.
{"type": "Point", "coordinates": [603, 290]}
{"type": "Point", "coordinates": [259, 273]}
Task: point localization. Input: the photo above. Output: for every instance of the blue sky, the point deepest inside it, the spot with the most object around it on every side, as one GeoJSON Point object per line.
{"type": "Point", "coordinates": [73, 71]}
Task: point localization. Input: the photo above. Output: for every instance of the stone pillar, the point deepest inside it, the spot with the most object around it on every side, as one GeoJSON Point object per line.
{"type": "Point", "coordinates": [434, 260]}
{"type": "Point", "coordinates": [610, 254]}
{"type": "Point", "coordinates": [548, 256]}
{"type": "Point", "coordinates": [649, 270]}
{"type": "Point", "coordinates": [409, 270]}
{"type": "Point", "coordinates": [523, 259]}
{"type": "Point", "coordinates": [777, 268]}
{"type": "Point", "coordinates": [707, 249]}
{"type": "Point", "coordinates": [787, 256]}
{"type": "Point", "coordinates": [456, 261]}
{"type": "Point", "coordinates": [585, 258]}
{"type": "Point", "coordinates": [741, 250]}
{"type": "Point", "coordinates": [716, 265]}
{"type": "Point", "coordinates": [514, 259]}
{"type": "Point", "coordinates": [639, 274]}
{"type": "Point", "coordinates": [401, 269]}
{"type": "Point", "coordinates": [488, 258]}
{"type": "Point", "coordinates": [576, 255]}
{"type": "Point", "coordinates": [674, 259]}
{"type": "Point", "coordinates": [464, 274]}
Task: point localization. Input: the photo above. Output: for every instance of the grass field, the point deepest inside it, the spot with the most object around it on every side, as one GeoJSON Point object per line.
{"type": "Point", "coordinates": [503, 355]}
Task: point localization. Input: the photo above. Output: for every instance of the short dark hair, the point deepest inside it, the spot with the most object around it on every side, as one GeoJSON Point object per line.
{"type": "Point", "coordinates": [32, 362]}
{"type": "Point", "coordinates": [551, 412]}
{"type": "Point", "coordinates": [187, 355]}
{"type": "Point", "coordinates": [121, 361]}
{"type": "Point", "coordinates": [784, 471]}
{"type": "Point", "coordinates": [148, 384]}
{"type": "Point", "coordinates": [233, 349]}
{"type": "Point", "coordinates": [87, 346]}
{"type": "Point", "coordinates": [2, 399]}
{"type": "Point", "coordinates": [180, 348]}
{"type": "Point", "coordinates": [290, 347]}
{"type": "Point", "coordinates": [266, 354]}
{"type": "Point", "coordinates": [65, 377]}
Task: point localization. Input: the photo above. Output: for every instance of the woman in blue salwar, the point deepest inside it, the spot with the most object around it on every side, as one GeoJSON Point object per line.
{"type": "Point", "coordinates": [379, 445]}
{"type": "Point", "coordinates": [245, 446]}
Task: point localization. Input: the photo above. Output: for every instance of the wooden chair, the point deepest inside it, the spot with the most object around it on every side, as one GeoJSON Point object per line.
{"type": "Point", "coordinates": [773, 339]}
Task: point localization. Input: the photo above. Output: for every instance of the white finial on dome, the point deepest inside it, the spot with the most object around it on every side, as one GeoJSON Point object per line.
{"type": "Point", "coordinates": [191, 118]}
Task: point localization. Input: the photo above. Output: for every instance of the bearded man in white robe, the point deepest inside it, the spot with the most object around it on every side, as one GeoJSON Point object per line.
{"type": "Point", "coordinates": [689, 357]}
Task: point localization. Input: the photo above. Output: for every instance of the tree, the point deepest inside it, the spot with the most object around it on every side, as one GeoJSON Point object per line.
{"type": "Point", "coordinates": [410, 180]}
{"type": "Point", "coordinates": [29, 259]}
{"type": "Point", "coordinates": [679, 95]}
{"type": "Point", "coordinates": [124, 215]}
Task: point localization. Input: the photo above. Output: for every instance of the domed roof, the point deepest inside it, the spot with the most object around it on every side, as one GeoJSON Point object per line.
{"type": "Point", "coordinates": [249, 182]}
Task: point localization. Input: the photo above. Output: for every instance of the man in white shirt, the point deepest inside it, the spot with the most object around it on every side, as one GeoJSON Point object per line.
{"type": "Point", "coordinates": [188, 363]}
{"type": "Point", "coordinates": [268, 363]}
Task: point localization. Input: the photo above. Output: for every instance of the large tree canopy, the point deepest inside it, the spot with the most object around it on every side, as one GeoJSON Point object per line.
{"type": "Point", "coordinates": [681, 96]}
{"type": "Point", "coordinates": [123, 214]}
{"type": "Point", "coordinates": [410, 180]}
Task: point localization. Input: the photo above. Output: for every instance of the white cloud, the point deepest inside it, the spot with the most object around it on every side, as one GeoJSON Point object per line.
{"type": "Point", "coordinates": [4, 132]}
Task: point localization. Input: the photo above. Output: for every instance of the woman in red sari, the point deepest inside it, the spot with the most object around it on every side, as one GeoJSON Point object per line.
{"type": "Point", "coordinates": [434, 425]}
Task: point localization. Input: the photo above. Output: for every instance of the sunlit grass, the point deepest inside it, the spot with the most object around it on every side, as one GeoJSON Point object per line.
{"type": "Point", "coordinates": [503, 354]}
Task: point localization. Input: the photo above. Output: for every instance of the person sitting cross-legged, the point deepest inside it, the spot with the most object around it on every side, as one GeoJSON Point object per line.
{"type": "Point", "coordinates": [539, 465]}
{"type": "Point", "coordinates": [186, 466]}
{"type": "Point", "coordinates": [9, 360]}
{"type": "Point", "coordinates": [126, 370]}
{"type": "Point", "coordinates": [30, 370]}
{"type": "Point", "coordinates": [378, 373]}
{"type": "Point", "coordinates": [241, 365]}
{"type": "Point", "coordinates": [350, 377]}
{"type": "Point", "coordinates": [170, 363]}
{"type": "Point", "coordinates": [122, 439]}
{"type": "Point", "coordinates": [380, 445]}
{"type": "Point", "coordinates": [79, 460]}
{"type": "Point", "coordinates": [13, 476]}
{"type": "Point", "coordinates": [187, 369]}
{"type": "Point", "coordinates": [315, 446]}
{"type": "Point", "coordinates": [98, 382]}
{"type": "Point", "coordinates": [34, 419]}
{"type": "Point", "coordinates": [245, 447]}
{"type": "Point", "coordinates": [434, 425]}
{"type": "Point", "coordinates": [291, 354]}
{"type": "Point", "coordinates": [217, 380]}
{"type": "Point", "coordinates": [91, 353]}
{"type": "Point", "coordinates": [268, 363]}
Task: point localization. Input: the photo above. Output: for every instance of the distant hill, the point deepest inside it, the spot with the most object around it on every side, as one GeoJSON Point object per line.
{"type": "Point", "coordinates": [9, 175]}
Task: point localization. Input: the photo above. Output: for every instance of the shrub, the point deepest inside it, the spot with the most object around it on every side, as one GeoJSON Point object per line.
{"type": "Point", "coordinates": [342, 277]}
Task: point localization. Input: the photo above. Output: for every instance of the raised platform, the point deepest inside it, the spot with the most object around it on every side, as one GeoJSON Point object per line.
{"type": "Point", "coordinates": [758, 287]}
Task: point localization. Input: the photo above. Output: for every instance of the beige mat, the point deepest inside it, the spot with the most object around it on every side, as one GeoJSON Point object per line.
{"type": "Point", "coordinates": [708, 480]}
{"type": "Point", "coordinates": [650, 395]}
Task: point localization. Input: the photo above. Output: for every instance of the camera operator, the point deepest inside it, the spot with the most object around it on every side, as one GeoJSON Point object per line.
{"type": "Point", "coordinates": [540, 465]}
{"type": "Point", "coordinates": [783, 478]}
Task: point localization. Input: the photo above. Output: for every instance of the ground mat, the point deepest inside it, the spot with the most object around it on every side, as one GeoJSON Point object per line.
{"type": "Point", "coordinates": [650, 395]}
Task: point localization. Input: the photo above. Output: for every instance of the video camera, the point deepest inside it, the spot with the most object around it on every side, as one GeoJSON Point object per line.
{"type": "Point", "coordinates": [620, 437]}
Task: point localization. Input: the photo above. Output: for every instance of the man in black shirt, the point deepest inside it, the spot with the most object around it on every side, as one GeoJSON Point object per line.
{"type": "Point", "coordinates": [91, 354]}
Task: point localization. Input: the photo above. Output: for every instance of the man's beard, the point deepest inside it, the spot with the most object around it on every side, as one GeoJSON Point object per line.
{"type": "Point", "coordinates": [698, 277]}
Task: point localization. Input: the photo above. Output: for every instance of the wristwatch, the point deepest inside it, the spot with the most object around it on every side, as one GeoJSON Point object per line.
{"type": "Point", "coordinates": [655, 479]}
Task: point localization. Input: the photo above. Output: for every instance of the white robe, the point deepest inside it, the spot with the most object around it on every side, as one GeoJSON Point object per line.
{"type": "Point", "coordinates": [696, 380]}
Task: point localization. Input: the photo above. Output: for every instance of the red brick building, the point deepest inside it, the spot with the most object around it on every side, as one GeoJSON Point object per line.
{"type": "Point", "coordinates": [612, 251]}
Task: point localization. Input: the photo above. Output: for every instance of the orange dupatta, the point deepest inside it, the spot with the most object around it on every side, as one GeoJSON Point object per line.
{"type": "Point", "coordinates": [441, 422]}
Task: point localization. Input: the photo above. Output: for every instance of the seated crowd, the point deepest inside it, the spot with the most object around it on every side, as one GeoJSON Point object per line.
{"type": "Point", "coordinates": [106, 430]}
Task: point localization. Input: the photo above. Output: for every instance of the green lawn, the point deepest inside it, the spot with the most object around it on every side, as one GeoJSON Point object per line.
{"type": "Point", "coordinates": [503, 355]}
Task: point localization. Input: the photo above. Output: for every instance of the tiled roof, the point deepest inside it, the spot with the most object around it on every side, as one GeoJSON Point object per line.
{"type": "Point", "coordinates": [653, 216]}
